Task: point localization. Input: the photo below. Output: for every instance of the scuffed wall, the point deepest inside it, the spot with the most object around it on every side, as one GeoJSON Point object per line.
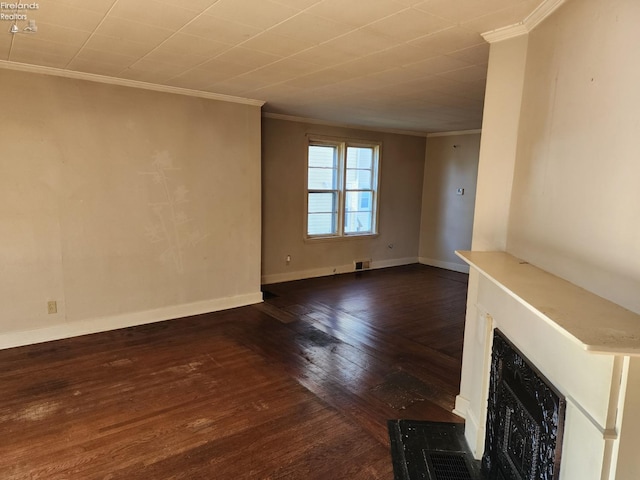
{"type": "Point", "coordinates": [123, 205]}
{"type": "Point", "coordinates": [575, 203]}
{"type": "Point", "coordinates": [284, 182]}
{"type": "Point", "coordinates": [447, 217]}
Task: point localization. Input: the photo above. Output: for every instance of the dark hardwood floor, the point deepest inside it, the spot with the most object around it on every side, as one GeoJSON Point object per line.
{"type": "Point", "coordinates": [299, 387]}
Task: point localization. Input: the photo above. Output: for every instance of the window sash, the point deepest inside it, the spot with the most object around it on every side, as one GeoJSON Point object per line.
{"type": "Point", "coordinates": [323, 217]}
{"type": "Point", "coordinates": [355, 180]}
{"type": "Point", "coordinates": [358, 218]}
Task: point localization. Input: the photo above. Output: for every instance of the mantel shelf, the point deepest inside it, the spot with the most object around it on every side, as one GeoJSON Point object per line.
{"type": "Point", "coordinates": [599, 325]}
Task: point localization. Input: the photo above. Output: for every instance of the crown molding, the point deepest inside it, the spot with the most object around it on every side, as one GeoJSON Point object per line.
{"type": "Point", "coordinates": [91, 77]}
{"type": "Point", "coordinates": [544, 10]}
{"type": "Point", "coordinates": [315, 121]}
{"type": "Point", "coordinates": [505, 33]}
{"type": "Point", "coordinates": [458, 132]}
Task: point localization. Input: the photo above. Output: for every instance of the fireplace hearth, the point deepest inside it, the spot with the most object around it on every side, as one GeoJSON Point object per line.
{"type": "Point", "coordinates": [525, 419]}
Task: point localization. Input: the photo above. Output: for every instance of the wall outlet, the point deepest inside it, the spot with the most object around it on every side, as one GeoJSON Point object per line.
{"type": "Point", "coordinates": [52, 307]}
{"type": "Point", "coordinates": [460, 191]}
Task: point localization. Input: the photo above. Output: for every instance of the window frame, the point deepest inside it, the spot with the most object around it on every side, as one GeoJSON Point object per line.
{"type": "Point", "coordinates": [342, 145]}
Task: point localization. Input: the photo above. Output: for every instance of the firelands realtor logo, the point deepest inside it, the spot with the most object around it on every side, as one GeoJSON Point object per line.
{"type": "Point", "coordinates": [16, 11]}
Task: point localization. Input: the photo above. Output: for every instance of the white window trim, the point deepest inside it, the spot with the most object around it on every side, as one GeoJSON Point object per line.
{"type": "Point", "coordinates": [342, 144]}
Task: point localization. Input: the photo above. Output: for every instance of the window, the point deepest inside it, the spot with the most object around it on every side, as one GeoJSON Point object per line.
{"type": "Point", "coordinates": [342, 187]}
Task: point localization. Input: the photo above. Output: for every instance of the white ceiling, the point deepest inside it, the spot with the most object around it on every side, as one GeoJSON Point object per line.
{"type": "Point", "coordinates": [416, 65]}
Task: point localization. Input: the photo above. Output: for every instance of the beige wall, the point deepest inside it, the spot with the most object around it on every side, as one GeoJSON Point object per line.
{"type": "Point", "coordinates": [575, 208]}
{"type": "Point", "coordinates": [500, 120]}
{"type": "Point", "coordinates": [447, 218]}
{"type": "Point", "coordinates": [284, 154]}
{"type": "Point", "coordinates": [124, 205]}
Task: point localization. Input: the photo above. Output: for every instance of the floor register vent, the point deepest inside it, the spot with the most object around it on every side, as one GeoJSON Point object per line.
{"type": "Point", "coordinates": [362, 264]}
{"type": "Point", "coordinates": [431, 451]}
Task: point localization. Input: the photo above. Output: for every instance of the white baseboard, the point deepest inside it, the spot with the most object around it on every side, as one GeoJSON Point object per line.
{"type": "Point", "coordinates": [472, 433]}
{"type": "Point", "coordinates": [394, 262]}
{"type": "Point", "coordinates": [103, 324]}
{"type": "Point", "coordinates": [326, 271]}
{"type": "Point", "coordinates": [456, 267]}
{"type": "Point", "coordinates": [462, 406]}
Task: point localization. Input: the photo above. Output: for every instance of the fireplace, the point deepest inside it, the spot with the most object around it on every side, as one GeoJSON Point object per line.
{"type": "Point", "coordinates": [587, 347]}
{"type": "Point", "coordinates": [525, 419]}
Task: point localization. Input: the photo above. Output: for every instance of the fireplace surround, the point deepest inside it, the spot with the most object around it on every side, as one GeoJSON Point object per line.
{"type": "Point", "coordinates": [525, 419]}
{"type": "Point", "coordinates": [585, 346]}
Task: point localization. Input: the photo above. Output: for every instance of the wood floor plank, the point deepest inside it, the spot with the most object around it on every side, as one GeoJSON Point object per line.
{"type": "Point", "coordinates": [298, 387]}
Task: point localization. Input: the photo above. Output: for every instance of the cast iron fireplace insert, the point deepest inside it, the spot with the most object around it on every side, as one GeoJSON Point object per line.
{"type": "Point", "coordinates": [525, 419]}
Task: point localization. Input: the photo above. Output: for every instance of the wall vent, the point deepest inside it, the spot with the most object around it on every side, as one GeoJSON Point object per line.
{"type": "Point", "coordinates": [362, 264]}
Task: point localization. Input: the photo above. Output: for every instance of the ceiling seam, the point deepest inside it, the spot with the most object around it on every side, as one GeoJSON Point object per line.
{"type": "Point", "coordinates": [91, 35]}
{"type": "Point", "coordinates": [245, 41]}
{"type": "Point", "coordinates": [310, 48]}
{"type": "Point", "coordinates": [345, 62]}
{"type": "Point", "coordinates": [332, 39]}
{"type": "Point", "coordinates": [203, 12]}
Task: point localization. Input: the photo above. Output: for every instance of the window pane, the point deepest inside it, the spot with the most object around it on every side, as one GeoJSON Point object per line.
{"type": "Point", "coordinates": [323, 156]}
{"type": "Point", "coordinates": [322, 213]}
{"type": "Point", "coordinates": [323, 203]}
{"type": "Point", "coordinates": [358, 179]}
{"type": "Point", "coordinates": [358, 202]}
{"type": "Point", "coordinates": [323, 179]}
{"type": "Point", "coordinates": [358, 222]}
{"type": "Point", "coordinates": [359, 157]}
{"type": "Point", "coordinates": [321, 224]}
{"type": "Point", "coordinates": [358, 212]}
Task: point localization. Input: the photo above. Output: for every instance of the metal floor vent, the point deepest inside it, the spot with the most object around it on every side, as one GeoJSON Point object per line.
{"type": "Point", "coordinates": [430, 451]}
{"type": "Point", "coordinates": [448, 466]}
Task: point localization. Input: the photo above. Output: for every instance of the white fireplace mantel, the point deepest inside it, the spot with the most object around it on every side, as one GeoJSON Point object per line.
{"type": "Point", "coordinates": [586, 346]}
{"type": "Point", "coordinates": [598, 325]}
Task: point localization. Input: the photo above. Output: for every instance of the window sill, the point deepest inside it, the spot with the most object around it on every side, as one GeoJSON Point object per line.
{"type": "Point", "coordinates": [319, 239]}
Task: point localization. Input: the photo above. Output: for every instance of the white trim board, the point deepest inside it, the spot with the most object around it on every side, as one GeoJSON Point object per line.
{"type": "Point", "coordinates": [122, 82]}
{"type": "Point", "coordinates": [474, 433]}
{"type": "Point", "coordinates": [451, 134]}
{"type": "Point", "coordinates": [96, 325]}
{"type": "Point", "coordinates": [544, 10]}
{"type": "Point", "coordinates": [328, 271]}
{"type": "Point", "coordinates": [314, 121]}
{"type": "Point", "coordinates": [461, 406]}
{"type": "Point", "coordinates": [456, 267]}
